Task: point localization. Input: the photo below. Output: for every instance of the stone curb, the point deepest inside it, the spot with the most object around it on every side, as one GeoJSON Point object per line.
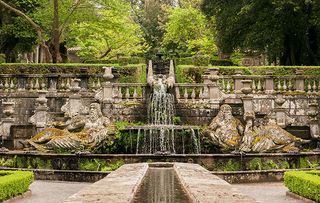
{"type": "Point", "coordinates": [298, 197]}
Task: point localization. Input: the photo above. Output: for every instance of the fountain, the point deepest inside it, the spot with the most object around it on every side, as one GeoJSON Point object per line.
{"type": "Point", "coordinates": [161, 136]}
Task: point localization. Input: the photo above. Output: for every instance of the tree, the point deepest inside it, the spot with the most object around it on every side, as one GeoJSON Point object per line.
{"type": "Point", "coordinates": [187, 32]}
{"type": "Point", "coordinates": [15, 35]}
{"type": "Point", "coordinates": [112, 33]}
{"type": "Point", "coordinates": [287, 31]}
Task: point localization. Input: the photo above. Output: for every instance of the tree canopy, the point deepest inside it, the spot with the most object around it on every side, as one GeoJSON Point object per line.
{"type": "Point", "coordinates": [286, 30]}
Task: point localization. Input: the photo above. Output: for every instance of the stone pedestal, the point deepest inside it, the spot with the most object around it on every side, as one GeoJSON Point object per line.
{"type": "Point", "coordinates": [299, 84]}
{"type": "Point", "coordinates": [237, 82]}
{"type": "Point", "coordinates": [280, 111]}
{"type": "Point", "coordinates": [8, 121]}
{"type": "Point", "coordinates": [107, 87]}
{"type": "Point", "coordinates": [40, 117]}
{"type": "Point", "coordinates": [314, 124]}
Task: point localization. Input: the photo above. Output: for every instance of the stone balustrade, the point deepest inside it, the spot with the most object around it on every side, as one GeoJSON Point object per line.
{"type": "Point", "coordinates": [191, 92]}
{"type": "Point", "coordinates": [128, 91]}
{"type": "Point", "coordinates": [51, 82]}
{"type": "Point", "coordinates": [267, 84]}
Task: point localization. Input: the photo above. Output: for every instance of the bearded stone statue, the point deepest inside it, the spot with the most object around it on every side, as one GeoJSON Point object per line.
{"type": "Point", "coordinates": [82, 133]}
{"type": "Point", "coordinates": [225, 130]}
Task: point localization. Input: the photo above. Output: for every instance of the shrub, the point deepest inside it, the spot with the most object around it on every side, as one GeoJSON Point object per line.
{"type": "Point", "coordinates": [304, 183]}
{"type": "Point", "coordinates": [13, 183]}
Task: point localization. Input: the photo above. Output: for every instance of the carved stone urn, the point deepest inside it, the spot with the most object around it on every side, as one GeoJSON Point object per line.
{"type": "Point", "coordinates": [246, 89]}
{"type": "Point", "coordinates": [108, 76]}
{"type": "Point", "coordinates": [75, 85]}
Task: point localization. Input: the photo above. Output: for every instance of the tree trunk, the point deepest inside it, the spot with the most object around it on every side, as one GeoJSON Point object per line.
{"type": "Point", "coordinates": [34, 25]}
{"type": "Point", "coordinates": [55, 32]}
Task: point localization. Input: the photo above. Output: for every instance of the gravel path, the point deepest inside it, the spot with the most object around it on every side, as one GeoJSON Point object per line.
{"type": "Point", "coordinates": [51, 191]}
{"type": "Point", "coordinates": [267, 192]}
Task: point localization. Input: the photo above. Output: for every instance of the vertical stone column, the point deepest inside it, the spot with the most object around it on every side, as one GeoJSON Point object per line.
{"type": "Point", "coordinates": [299, 84]}
{"type": "Point", "coordinates": [52, 82]}
{"type": "Point", "coordinates": [40, 117]}
{"type": "Point", "coordinates": [247, 98]}
{"type": "Point", "coordinates": [8, 121]}
{"type": "Point", "coordinates": [107, 86]}
{"type": "Point", "coordinates": [213, 92]}
{"type": "Point", "coordinates": [237, 81]}
{"type": "Point", "coordinates": [314, 125]}
{"type": "Point", "coordinates": [269, 82]}
{"type": "Point", "coordinates": [280, 111]}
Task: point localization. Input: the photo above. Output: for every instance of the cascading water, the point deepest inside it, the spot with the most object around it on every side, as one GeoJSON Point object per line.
{"type": "Point", "coordinates": [161, 135]}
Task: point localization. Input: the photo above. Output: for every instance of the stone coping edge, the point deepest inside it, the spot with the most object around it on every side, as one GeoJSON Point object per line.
{"type": "Point", "coordinates": [298, 197]}
{"type": "Point", "coordinates": [122, 185]}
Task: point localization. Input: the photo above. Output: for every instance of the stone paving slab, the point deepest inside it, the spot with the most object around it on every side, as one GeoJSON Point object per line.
{"type": "Point", "coordinates": [118, 187]}
{"type": "Point", "coordinates": [204, 187]}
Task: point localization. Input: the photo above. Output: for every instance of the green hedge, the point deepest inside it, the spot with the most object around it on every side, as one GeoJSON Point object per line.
{"type": "Point", "coordinates": [193, 74]}
{"type": "Point", "coordinates": [13, 183]}
{"type": "Point", "coordinates": [127, 73]}
{"type": "Point", "coordinates": [304, 183]}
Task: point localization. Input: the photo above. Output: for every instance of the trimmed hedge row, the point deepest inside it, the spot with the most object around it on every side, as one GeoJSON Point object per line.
{"type": "Point", "coordinates": [13, 183]}
{"type": "Point", "coordinates": [304, 183]}
{"type": "Point", "coordinates": [128, 73]}
{"type": "Point", "coordinates": [193, 74]}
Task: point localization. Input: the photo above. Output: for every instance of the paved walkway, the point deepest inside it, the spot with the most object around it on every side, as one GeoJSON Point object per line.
{"type": "Point", "coordinates": [51, 191]}
{"type": "Point", "coordinates": [267, 192]}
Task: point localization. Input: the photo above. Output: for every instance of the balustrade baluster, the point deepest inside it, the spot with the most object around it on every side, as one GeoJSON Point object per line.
{"type": "Point", "coordinates": [12, 85]}
{"type": "Point", "coordinates": [43, 84]}
{"type": "Point", "coordinates": [228, 87]}
{"type": "Point", "coordinates": [135, 95]}
{"type": "Point", "coordinates": [193, 94]}
{"type": "Point", "coordinates": [201, 94]}
{"type": "Point", "coordinates": [185, 94]}
{"type": "Point", "coordinates": [259, 88]}
{"type": "Point", "coordinates": [290, 85]}
{"type": "Point", "coordinates": [314, 87]}
{"type": "Point", "coordinates": [6, 85]}
{"type": "Point", "coordinates": [37, 85]}
{"type": "Point", "coordinates": [1, 85]}
{"type": "Point", "coordinates": [68, 84]}
{"type": "Point", "coordinates": [62, 85]}
{"type": "Point", "coordinates": [254, 87]}
{"type": "Point", "coordinates": [98, 84]}
{"type": "Point", "coordinates": [120, 93]}
{"type": "Point", "coordinates": [177, 89]}
{"type": "Point", "coordinates": [279, 86]}
{"type": "Point", "coordinates": [284, 85]}
{"type": "Point", "coordinates": [127, 93]}
{"type": "Point", "coordinates": [309, 86]}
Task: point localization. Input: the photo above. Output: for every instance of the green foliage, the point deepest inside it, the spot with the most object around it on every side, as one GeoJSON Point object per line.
{"type": "Point", "coordinates": [135, 73]}
{"type": "Point", "coordinates": [304, 183]}
{"type": "Point", "coordinates": [13, 183]}
{"type": "Point", "coordinates": [186, 32]}
{"type": "Point", "coordinates": [255, 164]}
{"type": "Point", "coordinates": [277, 30]}
{"type": "Point", "coordinates": [99, 165]}
{"type": "Point", "coordinates": [232, 166]}
{"type": "Point", "coordinates": [305, 163]}
{"type": "Point", "coordinates": [110, 34]}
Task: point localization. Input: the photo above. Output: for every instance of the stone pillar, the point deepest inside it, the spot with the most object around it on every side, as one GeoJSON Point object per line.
{"type": "Point", "coordinates": [299, 85]}
{"type": "Point", "coordinates": [212, 92]}
{"type": "Point", "coordinates": [269, 82]}
{"type": "Point", "coordinates": [107, 87]}
{"type": "Point", "coordinates": [8, 121]}
{"type": "Point", "coordinates": [314, 125]}
{"type": "Point", "coordinates": [52, 82]}
{"type": "Point", "coordinates": [237, 81]}
{"type": "Point", "coordinates": [280, 111]}
{"type": "Point", "coordinates": [74, 104]}
{"type": "Point", "coordinates": [247, 98]}
{"type": "Point", "coordinates": [22, 81]}
{"type": "Point", "coordinates": [40, 116]}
